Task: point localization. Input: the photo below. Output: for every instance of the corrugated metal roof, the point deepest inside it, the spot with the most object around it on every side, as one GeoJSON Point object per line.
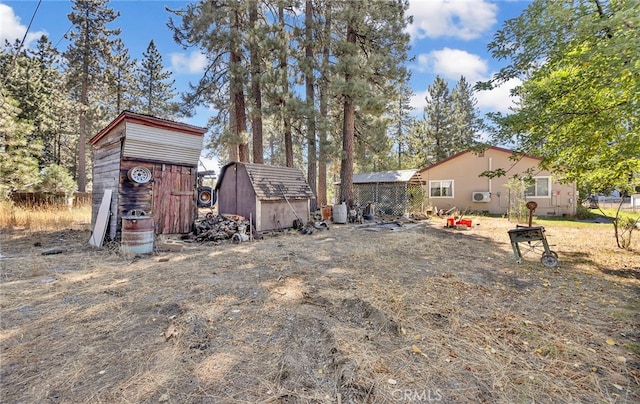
{"type": "Point", "coordinates": [148, 120]}
{"type": "Point", "coordinates": [273, 182]}
{"type": "Point", "coordinates": [384, 176]}
{"type": "Point", "coordinates": [151, 143]}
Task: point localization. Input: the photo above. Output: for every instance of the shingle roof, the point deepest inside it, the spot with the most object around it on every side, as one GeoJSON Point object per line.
{"type": "Point", "coordinates": [273, 182]}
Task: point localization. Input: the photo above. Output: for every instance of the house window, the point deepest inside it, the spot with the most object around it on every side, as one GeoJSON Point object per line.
{"type": "Point", "coordinates": [443, 189]}
{"type": "Point", "coordinates": [541, 188]}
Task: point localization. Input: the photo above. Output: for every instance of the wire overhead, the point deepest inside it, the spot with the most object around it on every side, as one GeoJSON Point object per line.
{"type": "Point", "coordinates": [24, 38]}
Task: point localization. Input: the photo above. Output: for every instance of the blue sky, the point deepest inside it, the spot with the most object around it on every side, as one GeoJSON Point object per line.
{"type": "Point", "coordinates": [448, 38]}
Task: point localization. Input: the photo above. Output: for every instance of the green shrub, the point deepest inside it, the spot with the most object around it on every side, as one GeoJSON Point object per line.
{"type": "Point", "coordinates": [55, 178]}
{"type": "Point", "coordinates": [584, 213]}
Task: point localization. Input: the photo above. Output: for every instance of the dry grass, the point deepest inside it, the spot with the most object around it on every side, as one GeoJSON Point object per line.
{"type": "Point", "coordinates": [349, 315]}
{"type": "Point", "coordinates": [43, 218]}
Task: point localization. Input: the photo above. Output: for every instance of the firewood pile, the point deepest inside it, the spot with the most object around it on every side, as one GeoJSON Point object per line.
{"type": "Point", "coordinates": [222, 227]}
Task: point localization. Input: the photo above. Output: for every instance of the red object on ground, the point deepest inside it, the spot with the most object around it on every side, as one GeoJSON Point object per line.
{"type": "Point", "coordinates": [465, 222]}
{"type": "Point", "coordinates": [450, 222]}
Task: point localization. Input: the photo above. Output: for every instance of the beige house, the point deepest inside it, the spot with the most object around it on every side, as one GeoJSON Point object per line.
{"type": "Point", "coordinates": [456, 182]}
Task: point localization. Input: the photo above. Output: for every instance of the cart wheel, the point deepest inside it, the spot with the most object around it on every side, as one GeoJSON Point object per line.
{"type": "Point", "coordinates": [549, 260]}
{"type": "Point", "coordinates": [555, 254]}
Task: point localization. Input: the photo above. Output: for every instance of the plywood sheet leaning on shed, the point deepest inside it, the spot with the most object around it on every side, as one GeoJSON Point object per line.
{"type": "Point", "coordinates": [97, 237]}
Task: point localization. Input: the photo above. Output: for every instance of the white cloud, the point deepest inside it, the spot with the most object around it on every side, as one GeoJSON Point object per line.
{"type": "Point", "coordinates": [11, 28]}
{"type": "Point", "coordinates": [453, 63]}
{"type": "Point", "coordinates": [464, 19]}
{"type": "Point", "coordinates": [192, 63]}
{"type": "Point", "coordinates": [498, 99]}
{"type": "Point", "coordinates": [450, 64]}
{"type": "Point", "coordinates": [419, 101]}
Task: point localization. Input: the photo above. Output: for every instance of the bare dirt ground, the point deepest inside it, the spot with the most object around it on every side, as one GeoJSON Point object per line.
{"type": "Point", "coordinates": [419, 313]}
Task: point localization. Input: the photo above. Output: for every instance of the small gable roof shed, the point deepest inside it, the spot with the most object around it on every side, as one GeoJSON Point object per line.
{"type": "Point", "coordinates": [272, 197]}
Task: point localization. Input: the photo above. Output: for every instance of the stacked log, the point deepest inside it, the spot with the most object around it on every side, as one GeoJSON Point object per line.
{"type": "Point", "coordinates": [221, 227]}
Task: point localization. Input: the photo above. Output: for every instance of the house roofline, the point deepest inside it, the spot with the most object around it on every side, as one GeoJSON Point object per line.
{"type": "Point", "coordinates": [497, 148]}
{"type": "Point", "coordinates": [148, 120]}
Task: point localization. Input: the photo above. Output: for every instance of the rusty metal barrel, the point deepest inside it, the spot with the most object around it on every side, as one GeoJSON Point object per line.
{"type": "Point", "coordinates": [327, 212]}
{"type": "Point", "coordinates": [137, 233]}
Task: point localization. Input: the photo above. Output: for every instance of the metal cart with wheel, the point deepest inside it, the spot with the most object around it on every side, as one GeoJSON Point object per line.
{"type": "Point", "coordinates": [536, 241]}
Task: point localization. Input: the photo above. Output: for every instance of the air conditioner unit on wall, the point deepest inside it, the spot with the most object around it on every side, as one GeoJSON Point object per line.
{"type": "Point", "coordinates": [481, 197]}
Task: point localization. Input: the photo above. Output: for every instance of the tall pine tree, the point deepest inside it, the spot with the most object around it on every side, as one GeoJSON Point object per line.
{"type": "Point", "coordinates": [121, 80]}
{"type": "Point", "coordinates": [401, 122]}
{"type": "Point", "coordinates": [155, 87]}
{"type": "Point", "coordinates": [18, 164]}
{"type": "Point", "coordinates": [217, 30]}
{"type": "Point", "coordinates": [467, 122]}
{"type": "Point", "coordinates": [439, 120]}
{"type": "Point", "coordinates": [87, 55]}
{"type": "Point", "coordinates": [369, 54]}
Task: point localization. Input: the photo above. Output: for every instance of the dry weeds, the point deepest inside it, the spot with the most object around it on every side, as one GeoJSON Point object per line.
{"type": "Point", "coordinates": [349, 315]}
{"type": "Point", "coordinates": [42, 218]}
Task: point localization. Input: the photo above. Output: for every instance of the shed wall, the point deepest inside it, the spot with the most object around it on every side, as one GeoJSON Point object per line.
{"type": "Point", "coordinates": [174, 196]}
{"type": "Point", "coordinates": [169, 197]}
{"type": "Point", "coordinates": [236, 194]}
{"type": "Point", "coordinates": [133, 196]}
{"type": "Point", "coordinates": [276, 215]}
{"type": "Point", "coordinates": [150, 143]}
{"type": "Point", "coordinates": [106, 168]}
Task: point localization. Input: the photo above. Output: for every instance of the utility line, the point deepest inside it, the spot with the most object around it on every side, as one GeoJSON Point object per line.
{"type": "Point", "coordinates": [63, 36]}
{"type": "Point", "coordinates": [13, 63]}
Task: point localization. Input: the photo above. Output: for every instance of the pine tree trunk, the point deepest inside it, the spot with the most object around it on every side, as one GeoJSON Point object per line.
{"type": "Point", "coordinates": [323, 155]}
{"type": "Point", "coordinates": [82, 139]}
{"type": "Point", "coordinates": [346, 169]}
{"type": "Point", "coordinates": [237, 90]}
{"type": "Point", "coordinates": [286, 121]}
{"type": "Point", "coordinates": [233, 146]}
{"type": "Point", "coordinates": [241, 122]}
{"type": "Point", "coordinates": [256, 94]}
{"type": "Point", "coordinates": [348, 131]}
{"type": "Point", "coordinates": [312, 169]}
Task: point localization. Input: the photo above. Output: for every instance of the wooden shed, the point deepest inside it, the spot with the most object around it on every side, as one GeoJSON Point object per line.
{"type": "Point", "coordinates": [150, 164]}
{"type": "Point", "coordinates": [272, 197]}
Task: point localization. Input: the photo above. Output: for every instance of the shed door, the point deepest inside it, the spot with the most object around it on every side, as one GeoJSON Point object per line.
{"type": "Point", "coordinates": [173, 198]}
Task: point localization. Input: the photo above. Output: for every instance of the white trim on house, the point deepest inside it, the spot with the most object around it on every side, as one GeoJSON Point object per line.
{"type": "Point", "coordinates": [441, 188]}
{"type": "Point", "coordinates": [535, 186]}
